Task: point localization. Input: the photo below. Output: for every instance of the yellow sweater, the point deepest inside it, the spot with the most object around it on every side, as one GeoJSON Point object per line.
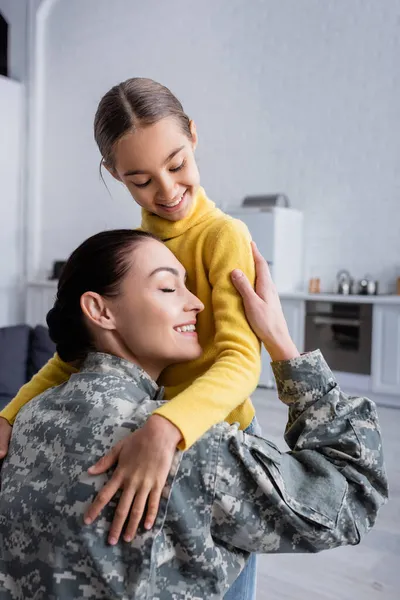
{"type": "Point", "coordinates": [215, 387]}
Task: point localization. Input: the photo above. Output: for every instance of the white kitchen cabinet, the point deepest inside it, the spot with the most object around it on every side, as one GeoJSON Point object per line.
{"type": "Point", "coordinates": [294, 311]}
{"type": "Point", "coordinates": [386, 351]}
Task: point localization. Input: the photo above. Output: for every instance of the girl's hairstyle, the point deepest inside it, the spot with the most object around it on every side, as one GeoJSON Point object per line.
{"type": "Point", "coordinates": [134, 103]}
{"type": "Point", "coordinates": [98, 265]}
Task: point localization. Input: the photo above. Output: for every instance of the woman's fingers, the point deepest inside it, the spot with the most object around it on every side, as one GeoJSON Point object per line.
{"type": "Point", "coordinates": [242, 284]}
{"type": "Point", "coordinates": [263, 274]}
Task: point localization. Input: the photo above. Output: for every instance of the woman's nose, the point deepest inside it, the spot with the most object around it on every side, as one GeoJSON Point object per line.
{"type": "Point", "coordinates": [194, 304]}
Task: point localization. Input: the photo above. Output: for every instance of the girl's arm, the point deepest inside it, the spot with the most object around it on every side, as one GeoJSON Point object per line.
{"type": "Point", "coordinates": [236, 370]}
{"type": "Point", "coordinates": [52, 374]}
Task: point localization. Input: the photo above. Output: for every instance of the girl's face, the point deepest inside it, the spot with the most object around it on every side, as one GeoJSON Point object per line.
{"type": "Point", "coordinates": [152, 320]}
{"type": "Point", "coordinates": [157, 165]}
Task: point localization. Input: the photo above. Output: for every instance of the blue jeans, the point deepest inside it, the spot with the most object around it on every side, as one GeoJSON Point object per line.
{"type": "Point", "coordinates": [244, 588]}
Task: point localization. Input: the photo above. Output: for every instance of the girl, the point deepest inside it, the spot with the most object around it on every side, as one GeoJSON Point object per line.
{"type": "Point", "coordinates": [148, 143]}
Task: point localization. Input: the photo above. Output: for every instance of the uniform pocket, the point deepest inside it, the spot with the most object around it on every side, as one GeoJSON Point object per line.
{"type": "Point", "coordinates": [310, 485]}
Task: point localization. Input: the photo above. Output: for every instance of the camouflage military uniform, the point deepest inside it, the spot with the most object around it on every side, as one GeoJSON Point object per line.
{"type": "Point", "coordinates": [229, 495]}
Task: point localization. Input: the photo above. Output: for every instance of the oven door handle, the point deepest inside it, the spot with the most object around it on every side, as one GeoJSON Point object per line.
{"type": "Point", "coordinates": [320, 321]}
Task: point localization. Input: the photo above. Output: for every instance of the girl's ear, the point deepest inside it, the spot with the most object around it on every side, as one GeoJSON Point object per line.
{"type": "Point", "coordinates": [193, 132]}
{"type": "Point", "coordinates": [111, 170]}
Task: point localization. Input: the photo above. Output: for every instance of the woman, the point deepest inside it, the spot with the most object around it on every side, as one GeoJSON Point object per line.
{"type": "Point", "coordinates": [122, 305]}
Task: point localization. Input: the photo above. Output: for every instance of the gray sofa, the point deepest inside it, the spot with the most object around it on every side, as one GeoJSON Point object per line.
{"type": "Point", "coordinates": [23, 352]}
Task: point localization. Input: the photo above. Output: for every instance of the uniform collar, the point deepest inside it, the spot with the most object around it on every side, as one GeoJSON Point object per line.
{"type": "Point", "coordinates": [108, 364]}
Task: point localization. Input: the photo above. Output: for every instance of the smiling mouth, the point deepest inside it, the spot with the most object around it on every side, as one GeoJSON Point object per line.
{"type": "Point", "coordinates": [186, 329]}
{"type": "Point", "coordinates": [174, 205]}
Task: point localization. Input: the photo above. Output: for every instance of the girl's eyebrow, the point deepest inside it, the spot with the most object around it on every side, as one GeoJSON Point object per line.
{"type": "Point", "coordinates": [170, 157]}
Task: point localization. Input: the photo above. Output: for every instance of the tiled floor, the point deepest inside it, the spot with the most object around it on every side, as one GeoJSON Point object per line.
{"type": "Point", "coordinates": [370, 571]}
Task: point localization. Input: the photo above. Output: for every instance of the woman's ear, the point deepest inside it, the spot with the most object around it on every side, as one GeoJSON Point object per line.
{"type": "Point", "coordinates": [96, 310]}
{"type": "Point", "coordinates": [193, 133]}
{"type": "Point", "coordinates": [111, 170]}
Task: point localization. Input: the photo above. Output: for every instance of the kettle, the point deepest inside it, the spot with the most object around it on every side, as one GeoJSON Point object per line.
{"type": "Point", "coordinates": [344, 282]}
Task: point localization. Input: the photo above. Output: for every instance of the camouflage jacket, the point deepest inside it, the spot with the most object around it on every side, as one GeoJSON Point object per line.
{"type": "Point", "coordinates": [230, 494]}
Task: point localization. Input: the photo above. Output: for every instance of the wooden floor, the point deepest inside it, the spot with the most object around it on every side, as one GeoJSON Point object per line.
{"type": "Point", "coordinates": [370, 571]}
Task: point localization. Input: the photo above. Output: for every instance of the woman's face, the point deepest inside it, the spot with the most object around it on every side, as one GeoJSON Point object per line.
{"type": "Point", "coordinates": [157, 165]}
{"type": "Point", "coordinates": [154, 313]}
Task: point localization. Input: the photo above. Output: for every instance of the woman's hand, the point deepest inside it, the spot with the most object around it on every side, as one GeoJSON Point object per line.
{"type": "Point", "coordinates": [144, 461]}
{"type": "Point", "coordinates": [5, 436]}
{"type": "Point", "coordinates": [264, 311]}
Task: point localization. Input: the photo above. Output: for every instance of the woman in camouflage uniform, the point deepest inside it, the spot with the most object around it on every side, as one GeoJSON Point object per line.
{"type": "Point", "coordinates": [122, 306]}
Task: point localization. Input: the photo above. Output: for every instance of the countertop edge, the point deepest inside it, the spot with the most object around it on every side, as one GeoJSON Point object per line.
{"type": "Point", "coordinates": [351, 298]}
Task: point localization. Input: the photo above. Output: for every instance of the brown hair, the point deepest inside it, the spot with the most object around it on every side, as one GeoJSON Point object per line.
{"type": "Point", "coordinates": [134, 103]}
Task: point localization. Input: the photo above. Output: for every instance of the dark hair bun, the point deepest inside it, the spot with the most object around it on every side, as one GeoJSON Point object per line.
{"type": "Point", "coordinates": [54, 323]}
{"type": "Point", "coordinates": [68, 332]}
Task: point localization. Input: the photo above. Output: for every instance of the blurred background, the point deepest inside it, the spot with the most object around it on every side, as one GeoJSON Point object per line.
{"type": "Point", "coordinates": [296, 103]}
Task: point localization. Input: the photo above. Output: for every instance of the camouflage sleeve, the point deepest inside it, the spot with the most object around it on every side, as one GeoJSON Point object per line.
{"type": "Point", "coordinates": [325, 492]}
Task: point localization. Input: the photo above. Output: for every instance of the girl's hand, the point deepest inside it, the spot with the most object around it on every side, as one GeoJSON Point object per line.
{"type": "Point", "coordinates": [264, 311]}
{"type": "Point", "coordinates": [5, 436]}
{"type": "Point", "coordinates": [144, 461]}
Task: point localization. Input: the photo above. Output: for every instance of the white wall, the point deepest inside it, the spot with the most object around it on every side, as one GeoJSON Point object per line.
{"type": "Point", "coordinates": [299, 97]}
{"type": "Point", "coordinates": [11, 235]}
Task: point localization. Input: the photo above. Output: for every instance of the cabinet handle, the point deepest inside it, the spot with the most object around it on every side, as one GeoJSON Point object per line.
{"type": "Point", "coordinates": [336, 321]}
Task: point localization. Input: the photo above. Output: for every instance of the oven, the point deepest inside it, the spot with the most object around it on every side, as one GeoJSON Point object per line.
{"type": "Point", "coordinates": [343, 333]}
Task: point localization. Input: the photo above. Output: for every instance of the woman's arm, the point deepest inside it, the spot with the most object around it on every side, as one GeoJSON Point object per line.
{"type": "Point", "coordinates": [326, 492]}
{"type": "Point", "coordinates": [236, 370]}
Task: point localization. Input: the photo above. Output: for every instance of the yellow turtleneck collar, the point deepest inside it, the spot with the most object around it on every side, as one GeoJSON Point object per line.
{"type": "Point", "coordinates": [202, 208]}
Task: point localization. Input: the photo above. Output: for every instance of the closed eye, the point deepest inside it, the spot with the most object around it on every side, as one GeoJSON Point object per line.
{"type": "Point", "coordinates": [179, 167]}
{"type": "Point", "coordinates": [142, 185]}
{"type": "Point", "coordinates": [168, 290]}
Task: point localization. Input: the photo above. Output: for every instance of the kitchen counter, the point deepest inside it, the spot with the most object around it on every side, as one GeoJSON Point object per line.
{"type": "Point", "coordinates": [352, 298]}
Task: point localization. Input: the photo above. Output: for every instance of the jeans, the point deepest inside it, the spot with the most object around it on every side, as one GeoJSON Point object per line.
{"type": "Point", "coordinates": [244, 588]}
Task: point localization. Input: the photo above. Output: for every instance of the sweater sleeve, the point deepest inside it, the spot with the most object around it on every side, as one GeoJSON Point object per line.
{"type": "Point", "coordinates": [54, 372]}
{"type": "Point", "coordinates": [236, 370]}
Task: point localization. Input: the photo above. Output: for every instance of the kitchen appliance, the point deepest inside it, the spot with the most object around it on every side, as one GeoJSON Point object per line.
{"type": "Point", "coordinates": [266, 201]}
{"type": "Point", "coordinates": [343, 333]}
{"type": "Point", "coordinates": [4, 39]}
{"type": "Point", "coordinates": [278, 233]}
{"type": "Point", "coordinates": [367, 286]}
{"type": "Point", "coordinates": [344, 282]}
{"type": "Point", "coordinates": [58, 266]}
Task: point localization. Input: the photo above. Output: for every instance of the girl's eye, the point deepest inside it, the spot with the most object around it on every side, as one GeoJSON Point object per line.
{"type": "Point", "coordinates": [179, 167]}
{"type": "Point", "coordinates": [142, 185]}
{"type": "Point", "coordinates": [167, 290]}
